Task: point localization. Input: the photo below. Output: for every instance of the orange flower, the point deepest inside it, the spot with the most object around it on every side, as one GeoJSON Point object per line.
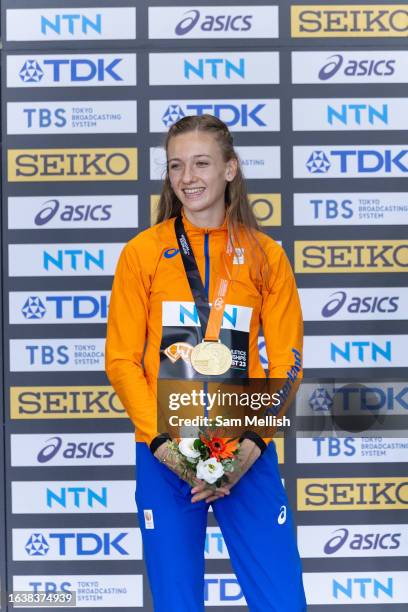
{"type": "Point", "coordinates": [220, 448]}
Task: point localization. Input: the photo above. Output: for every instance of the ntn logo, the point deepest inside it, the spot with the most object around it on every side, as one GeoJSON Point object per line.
{"type": "Point", "coordinates": [361, 350]}
{"type": "Point", "coordinates": [357, 112]}
{"type": "Point", "coordinates": [363, 587]}
{"type": "Point", "coordinates": [77, 497]}
{"type": "Point", "coordinates": [214, 67]}
{"type": "Point", "coordinates": [190, 313]}
{"type": "Point", "coordinates": [73, 258]}
{"type": "Point", "coordinates": [71, 22]}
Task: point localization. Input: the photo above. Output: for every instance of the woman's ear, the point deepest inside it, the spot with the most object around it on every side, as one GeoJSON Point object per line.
{"type": "Point", "coordinates": [231, 171]}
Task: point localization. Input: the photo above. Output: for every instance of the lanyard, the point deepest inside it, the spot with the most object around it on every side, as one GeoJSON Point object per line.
{"type": "Point", "coordinates": [210, 318]}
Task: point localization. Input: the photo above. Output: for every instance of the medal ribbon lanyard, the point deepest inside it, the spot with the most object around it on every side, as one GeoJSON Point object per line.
{"type": "Point", "coordinates": [210, 318]}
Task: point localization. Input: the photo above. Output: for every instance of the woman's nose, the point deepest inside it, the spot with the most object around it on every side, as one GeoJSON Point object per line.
{"type": "Point", "coordinates": [188, 174]}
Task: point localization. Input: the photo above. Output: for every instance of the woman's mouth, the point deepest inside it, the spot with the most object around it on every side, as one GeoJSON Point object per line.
{"type": "Point", "coordinates": [193, 193]}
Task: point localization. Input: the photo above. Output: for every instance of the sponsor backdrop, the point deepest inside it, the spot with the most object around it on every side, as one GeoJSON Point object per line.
{"type": "Point", "coordinates": [317, 98]}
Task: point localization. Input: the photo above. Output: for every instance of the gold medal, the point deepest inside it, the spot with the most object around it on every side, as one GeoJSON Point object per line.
{"type": "Point", "coordinates": [211, 358]}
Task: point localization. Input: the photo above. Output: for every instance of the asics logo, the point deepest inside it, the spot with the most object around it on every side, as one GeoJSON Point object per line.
{"type": "Point", "coordinates": [282, 515]}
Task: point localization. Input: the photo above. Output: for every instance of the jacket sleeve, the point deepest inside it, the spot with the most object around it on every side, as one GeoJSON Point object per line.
{"type": "Point", "coordinates": [282, 321]}
{"type": "Point", "coordinates": [282, 325]}
{"type": "Point", "coordinates": [125, 344]}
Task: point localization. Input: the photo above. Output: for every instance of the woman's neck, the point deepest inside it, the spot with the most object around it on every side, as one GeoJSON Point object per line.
{"type": "Point", "coordinates": [213, 217]}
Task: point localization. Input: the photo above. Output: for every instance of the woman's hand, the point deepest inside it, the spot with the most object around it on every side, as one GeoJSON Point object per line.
{"type": "Point", "coordinates": [168, 458]}
{"type": "Point", "coordinates": [248, 454]}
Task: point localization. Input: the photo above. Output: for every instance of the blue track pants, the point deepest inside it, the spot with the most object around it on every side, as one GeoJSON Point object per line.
{"type": "Point", "coordinates": [256, 524]}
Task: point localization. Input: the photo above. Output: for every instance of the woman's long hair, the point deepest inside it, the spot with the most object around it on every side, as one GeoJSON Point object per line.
{"type": "Point", "coordinates": [239, 214]}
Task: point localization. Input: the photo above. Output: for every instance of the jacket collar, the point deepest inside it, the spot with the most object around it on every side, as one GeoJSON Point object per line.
{"type": "Point", "coordinates": [195, 229]}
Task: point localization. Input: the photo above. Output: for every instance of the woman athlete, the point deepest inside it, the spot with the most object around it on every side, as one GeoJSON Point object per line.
{"type": "Point", "coordinates": [152, 319]}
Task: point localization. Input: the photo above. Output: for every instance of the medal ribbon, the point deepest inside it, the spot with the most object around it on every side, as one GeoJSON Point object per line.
{"type": "Point", "coordinates": [210, 318]}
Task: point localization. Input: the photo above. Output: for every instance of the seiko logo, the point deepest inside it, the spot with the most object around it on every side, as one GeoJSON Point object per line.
{"type": "Point", "coordinates": [70, 165]}
{"type": "Point", "coordinates": [350, 21]}
{"type": "Point", "coordinates": [358, 493]}
{"type": "Point", "coordinates": [353, 256]}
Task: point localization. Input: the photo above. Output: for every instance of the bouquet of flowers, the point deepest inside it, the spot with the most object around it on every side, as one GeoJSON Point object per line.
{"type": "Point", "coordinates": [208, 457]}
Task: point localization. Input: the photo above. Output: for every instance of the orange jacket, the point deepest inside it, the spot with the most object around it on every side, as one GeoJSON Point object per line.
{"type": "Point", "coordinates": [151, 307]}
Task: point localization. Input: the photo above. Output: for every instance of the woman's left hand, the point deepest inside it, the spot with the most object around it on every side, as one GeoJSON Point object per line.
{"type": "Point", "coordinates": [248, 454]}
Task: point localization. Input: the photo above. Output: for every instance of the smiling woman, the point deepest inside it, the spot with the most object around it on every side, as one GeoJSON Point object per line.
{"type": "Point", "coordinates": [188, 299]}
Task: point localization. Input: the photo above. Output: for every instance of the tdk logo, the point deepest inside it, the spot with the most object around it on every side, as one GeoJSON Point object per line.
{"type": "Point", "coordinates": [73, 259]}
{"type": "Point", "coordinates": [31, 72]}
{"type": "Point", "coordinates": [343, 538]}
{"type": "Point", "coordinates": [80, 544]}
{"type": "Point", "coordinates": [37, 545]}
{"type": "Point", "coordinates": [320, 400]}
{"type": "Point", "coordinates": [72, 450]}
{"type": "Point", "coordinates": [33, 308]}
{"type": "Point", "coordinates": [361, 161]}
{"type": "Point", "coordinates": [224, 589]}
{"type": "Point", "coordinates": [360, 352]}
{"type": "Point", "coordinates": [209, 23]}
{"type": "Point", "coordinates": [78, 307]}
{"type": "Point", "coordinates": [359, 305]}
{"type": "Point", "coordinates": [71, 24]}
{"type": "Point", "coordinates": [214, 68]}
{"type": "Point", "coordinates": [77, 70]}
{"type": "Point", "coordinates": [356, 114]}
{"type": "Point", "coordinates": [230, 114]}
{"type": "Point", "coordinates": [356, 68]}
{"type": "Point", "coordinates": [366, 398]}
{"type": "Point", "coordinates": [79, 497]}
{"type": "Point", "coordinates": [318, 163]}
{"type": "Point", "coordinates": [362, 587]}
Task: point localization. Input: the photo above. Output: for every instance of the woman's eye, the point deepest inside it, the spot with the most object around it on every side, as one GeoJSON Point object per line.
{"type": "Point", "coordinates": [174, 166]}
{"type": "Point", "coordinates": [202, 163]}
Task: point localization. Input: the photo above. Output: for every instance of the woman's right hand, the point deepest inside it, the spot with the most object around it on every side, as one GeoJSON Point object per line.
{"type": "Point", "coordinates": [202, 491]}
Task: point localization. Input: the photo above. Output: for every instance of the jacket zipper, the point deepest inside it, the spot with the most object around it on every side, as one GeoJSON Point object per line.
{"type": "Point", "coordinates": [206, 287]}
{"type": "Point", "coordinates": [207, 264]}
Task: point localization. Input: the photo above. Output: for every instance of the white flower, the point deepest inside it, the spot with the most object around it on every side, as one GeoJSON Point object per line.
{"type": "Point", "coordinates": [210, 470]}
{"type": "Point", "coordinates": [186, 447]}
